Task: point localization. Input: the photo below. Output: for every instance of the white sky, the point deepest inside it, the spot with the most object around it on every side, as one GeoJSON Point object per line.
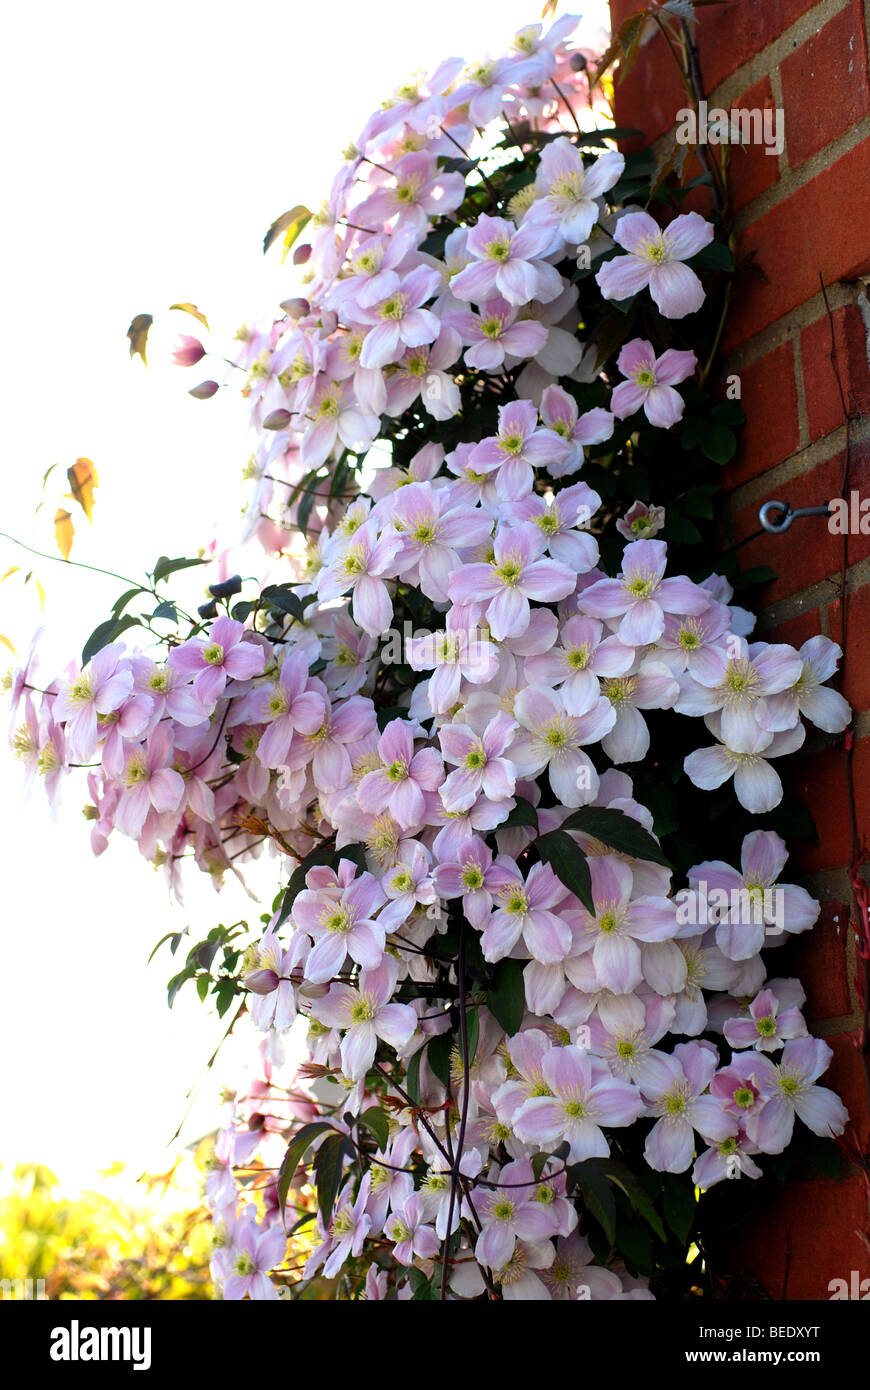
{"type": "Point", "coordinates": [147, 150]}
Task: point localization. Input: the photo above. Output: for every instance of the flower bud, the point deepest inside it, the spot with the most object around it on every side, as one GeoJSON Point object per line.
{"type": "Point", "coordinates": [301, 254]}
{"type": "Point", "coordinates": [277, 420]}
{"type": "Point", "coordinates": [296, 308]}
{"type": "Point", "coordinates": [226, 587]}
{"type": "Point", "coordinates": [261, 981]}
{"type": "Point", "coordinates": [189, 352]}
{"type": "Point", "coordinates": [207, 610]}
{"type": "Point", "coordinates": [204, 391]}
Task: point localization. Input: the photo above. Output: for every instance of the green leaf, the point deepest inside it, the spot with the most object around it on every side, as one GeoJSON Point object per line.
{"type": "Point", "coordinates": [412, 1076]}
{"type": "Point", "coordinates": [597, 1195]}
{"type": "Point", "coordinates": [472, 1026]}
{"type": "Point", "coordinates": [728, 413]}
{"type": "Point", "coordinates": [635, 1244]}
{"type": "Point", "coordinates": [282, 596]}
{"type": "Point", "coordinates": [328, 1166]}
{"type": "Point", "coordinates": [714, 256]}
{"type": "Point", "coordinates": [296, 1149]}
{"type": "Point", "coordinates": [438, 1057]}
{"type": "Point", "coordinates": [619, 831]}
{"type": "Point", "coordinates": [202, 985]}
{"type": "Point", "coordinates": [523, 813]}
{"type": "Point", "coordinates": [569, 864]}
{"type": "Point", "coordinates": [719, 443]}
{"type": "Point", "coordinates": [759, 574]}
{"type": "Point", "coordinates": [224, 992]}
{"type": "Point", "coordinates": [506, 999]}
{"type": "Point", "coordinates": [121, 603]}
{"type": "Point", "coordinates": [166, 609]}
{"type": "Point", "coordinates": [107, 632]}
{"type": "Point", "coordinates": [622, 1175]}
{"type": "Point", "coordinates": [376, 1121]}
{"type": "Point", "coordinates": [165, 567]}
{"type": "Point", "coordinates": [680, 1208]}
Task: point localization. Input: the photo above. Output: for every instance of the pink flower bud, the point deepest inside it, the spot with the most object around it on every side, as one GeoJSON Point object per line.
{"type": "Point", "coordinates": [189, 352]}
{"type": "Point", "coordinates": [296, 308]}
{"type": "Point", "coordinates": [301, 254]}
{"type": "Point", "coordinates": [204, 391]}
{"type": "Point", "coordinates": [261, 981]}
{"type": "Point", "coordinates": [277, 420]}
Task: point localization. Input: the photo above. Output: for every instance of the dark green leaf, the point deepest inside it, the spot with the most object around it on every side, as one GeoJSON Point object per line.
{"type": "Point", "coordinates": [166, 609]}
{"type": "Point", "coordinates": [719, 443]}
{"type": "Point", "coordinates": [619, 831]}
{"type": "Point", "coordinates": [635, 1244]}
{"type": "Point", "coordinates": [412, 1076]}
{"type": "Point", "coordinates": [107, 632]}
{"type": "Point", "coordinates": [506, 1000]}
{"type": "Point", "coordinates": [328, 1166]}
{"type": "Point", "coordinates": [438, 1057]}
{"type": "Point", "coordinates": [282, 596]}
{"type": "Point", "coordinates": [569, 864]}
{"type": "Point", "coordinates": [376, 1121]}
{"type": "Point", "coordinates": [165, 567]}
{"type": "Point", "coordinates": [715, 256]}
{"type": "Point", "coordinates": [597, 1195]}
{"type": "Point", "coordinates": [523, 813]}
{"type": "Point", "coordinates": [680, 1208]}
{"type": "Point", "coordinates": [296, 1149]}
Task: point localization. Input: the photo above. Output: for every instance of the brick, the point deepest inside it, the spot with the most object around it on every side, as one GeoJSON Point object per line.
{"type": "Point", "coordinates": [750, 169]}
{"type": "Point", "coordinates": [845, 1075]}
{"type": "Point", "coordinates": [768, 395]}
{"type": "Point", "coordinates": [794, 1257]}
{"type": "Point", "coordinates": [824, 85]}
{"type": "Point", "coordinates": [856, 666]}
{"type": "Point", "coordinates": [819, 961]}
{"type": "Point", "coordinates": [650, 96]}
{"type": "Point", "coordinates": [729, 35]}
{"type": "Point", "coordinates": [796, 630]}
{"type": "Point", "coordinates": [807, 552]}
{"type": "Point", "coordinates": [824, 405]}
{"type": "Point", "coordinates": [820, 228]}
{"type": "Point", "coordinates": [819, 782]}
{"type": "Point", "coordinates": [861, 777]}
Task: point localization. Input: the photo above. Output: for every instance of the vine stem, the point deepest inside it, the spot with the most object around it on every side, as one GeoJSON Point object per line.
{"type": "Point", "coordinates": [466, 1087]}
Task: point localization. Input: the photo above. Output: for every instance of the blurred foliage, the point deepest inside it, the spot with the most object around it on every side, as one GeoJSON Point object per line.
{"type": "Point", "coordinates": [93, 1247]}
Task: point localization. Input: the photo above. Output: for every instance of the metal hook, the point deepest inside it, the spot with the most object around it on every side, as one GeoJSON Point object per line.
{"type": "Point", "coordinates": [784, 515]}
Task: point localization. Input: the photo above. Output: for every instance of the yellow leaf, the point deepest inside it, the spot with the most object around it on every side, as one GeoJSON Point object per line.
{"type": "Point", "coordinates": [138, 335]}
{"type": "Point", "coordinates": [549, 8]}
{"type": "Point", "coordinates": [41, 592]}
{"type": "Point", "coordinates": [83, 479]}
{"type": "Point", "coordinates": [290, 223]}
{"type": "Point", "coordinates": [63, 532]}
{"type": "Point", "coordinates": [189, 308]}
{"type": "Point", "coordinates": [7, 643]}
{"type": "Point", "coordinates": [13, 569]}
{"type": "Point", "coordinates": [47, 474]}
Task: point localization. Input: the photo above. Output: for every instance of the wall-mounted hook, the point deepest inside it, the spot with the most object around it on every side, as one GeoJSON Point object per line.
{"type": "Point", "coordinates": [777, 517]}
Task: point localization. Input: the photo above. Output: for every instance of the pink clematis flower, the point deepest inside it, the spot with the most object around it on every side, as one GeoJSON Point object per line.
{"type": "Point", "coordinates": [290, 705]}
{"type": "Point", "coordinates": [413, 1238]}
{"type": "Point", "coordinates": [149, 781]}
{"type": "Point", "coordinates": [582, 654]}
{"type": "Point", "coordinates": [517, 449]}
{"type": "Point", "coordinates": [525, 910]}
{"type": "Point", "coordinates": [788, 1090]}
{"type": "Point", "coordinates": [764, 1027]}
{"type": "Point", "coordinates": [457, 654]}
{"type": "Point", "coordinates": [494, 331]}
{"type": "Point", "coordinates": [641, 596]}
{"type": "Point", "coordinates": [104, 685]}
{"type": "Point", "coordinates": [651, 382]}
{"type": "Point", "coordinates": [510, 1212]}
{"type": "Point", "coordinates": [253, 1252]}
{"type": "Point", "coordinates": [655, 261]}
{"type": "Point", "coordinates": [365, 1015]}
{"type": "Point", "coordinates": [560, 414]}
{"type": "Point", "coordinates": [755, 902]}
{"type": "Point", "coordinates": [506, 262]}
{"type": "Point", "coordinates": [583, 1097]}
{"type": "Point", "coordinates": [361, 566]}
{"type": "Point", "coordinates": [481, 768]}
{"type": "Point", "coordinates": [619, 923]}
{"type": "Point", "coordinates": [676, 1097]}
{"type": "Point", "coordinates": [569, 191]}
{"type": "Point", "coordinates": [515, 575]}
{"type": "Point", "coordinates": [399, 784]}
{"type": "Point", "coordinates": [431, 531]}
{"type": "Point", "coordinates": [400, 321]}
{"type": "Point", "coordinates": [756, 784]}
{"type": "Point", "coordinates": [213, 660]}
{"type": "Point", "coordinates": [341, 927]}
{"type": "Point", "coordinates": [553, 739]}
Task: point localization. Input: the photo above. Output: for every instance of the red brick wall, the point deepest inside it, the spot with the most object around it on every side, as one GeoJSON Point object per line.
{"type": "Point", "coordinates": [803, 214]}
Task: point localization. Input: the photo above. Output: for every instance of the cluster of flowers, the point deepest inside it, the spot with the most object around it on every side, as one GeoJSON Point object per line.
{"type": "Point", "coordinates": [243, 733]}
